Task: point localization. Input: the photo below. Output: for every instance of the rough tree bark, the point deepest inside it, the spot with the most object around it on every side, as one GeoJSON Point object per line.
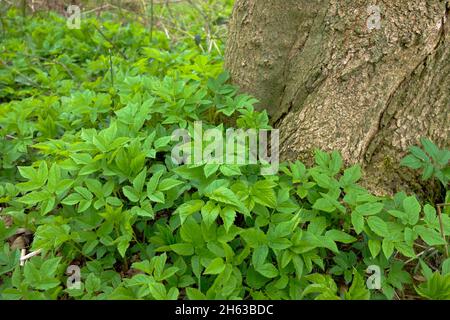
{"type": "Point", "coordinates": [330, 80]}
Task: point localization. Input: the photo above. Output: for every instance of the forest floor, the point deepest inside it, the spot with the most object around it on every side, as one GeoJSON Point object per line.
{"type": "Point", "coordinates": [93, 205]}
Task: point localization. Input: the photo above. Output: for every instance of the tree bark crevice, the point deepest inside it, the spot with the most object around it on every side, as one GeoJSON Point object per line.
{"type": "Point", "coordinates": [402, 86]}
{"type": "Point", "coordinates": [292, 100]}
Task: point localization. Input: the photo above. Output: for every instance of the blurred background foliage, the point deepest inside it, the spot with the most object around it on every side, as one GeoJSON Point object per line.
{"type": "Point", "coordinates": [175, 17]}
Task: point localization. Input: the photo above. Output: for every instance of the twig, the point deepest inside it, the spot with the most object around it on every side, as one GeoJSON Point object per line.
{"type": "Point", "coordinates": [104, 6]}
{"type": "Point", "coordinates": [217, 47]}
{"type": "Point", "coordinates": [111, 69]}
{"type": "Point", "coordinates": [151, 20]}
{"type": "Point", "coordinates": [175, 27]}
{"type": "Point", "coordinates": [165, 29]}
{"type": "Point", "coordinates": [111, 43]}
{"type": "Point", "coordinates": [24, 257]}
{"type": "Point", "coordinates": [420, 254]}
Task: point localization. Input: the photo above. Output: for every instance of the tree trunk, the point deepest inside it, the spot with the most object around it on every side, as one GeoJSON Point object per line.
{"type": "Point", "coordinates": [337, 75]}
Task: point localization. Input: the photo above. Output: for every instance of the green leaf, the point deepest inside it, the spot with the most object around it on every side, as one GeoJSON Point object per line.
{"type": "Point", "coordinates": [419, 153]}
{"type": "Point", "coordinates": [42, 173]}
{"type": "Point", "coordinates": [35, 197]}
{"type": "Point", "coordinates": [85, 193]}
{"type": "Point", "coordinates": [146, 213]}
{"type": "Point", "coordinates": [436, 288]}
{"type": "Point", "coordinates": [143, 266]}
{"type": "Point", "coordinates": [398, 214]}
{"type": "Point", "coordinates": [153, 182]}
{"type": "Point", "coordinates": [405, 249]}
{"type": "Point", "coordinates": [430, 236]}
{"type": "Point", "coordinates": [388, 248]}
{"type": "Point", "coordinates": [286, 258]}
{"type": "Point", "coordinates": [130, 193]}
{"type": "Point", "coordinates": [167, 184]}
{"type": "Point", "coordinates": [159, 263]}
{"type": "Point", "coordinates": [228, 216]}
{"type": "Point", "coordinates": [94, 186]}
{"type": "Point", "coordinates": [210, 212]}
{"type": "Point", "coordinates": [430, 147]}
{"type": "Point", "coordinates": [370, 209]}
{"type": "Point", "coordinates": [378, 226]}
{"type": "Point", "coordinates": [358, 289]}
{"type": "Point", "coordinates": [93, 283]}
{"type": "Point", "coordinates": [189, 208]}
{"type": "Point", "coordinates": [412, 162]}
{"type": "Point", "coordinates": [156, 196]}
{"type": "Point", "coordinates": [138, 182]}
{"type": "Point", "coordinates": [183, 249]}
{"type": "Point", "coordinates": [325, 205]}
{"type": "Point", "coordinates": [351, 176]}
{"type": "Point", "coordinates": [191, 232]}
{"type": "Point", "coordinates": [357, 221]}
{"type": "Point", "coordinates": [430, 214]}
{"type": "Point", "coordinates": [123, 245]}
{"type": "Point", "coordinates": [173, 294]}
{"type": "Point", "coordinates": [230, 170]}
{"type": "Point", "coordinates": [322, 158]}
{"type": "Point", "coordinates": [428, 171]}
{"type": "Point", "coordinates": [268, 270]}
{"type": "Point", "coordinates": [84, 205]}
{"type": "Point", "coordinates": [162, 142]}
{"type": "Point", "coordinates": [195, 294]}
{"type": "Point", "coordinates": [157, 290]}
{"type": "Point", "coordinates": [216, 266]}
{"type": "Point", "coordinates": [426, 270]}
{"type": "Point", "coordinates": [374, 247]}
{"type": "Point", "coordinates": [89, 247]}
{"type": "Point", "coordinates": [49, 266]}
{"type": "Point", "coordinates": [412, 208]}
{"type": "Point", "coordinates": [100, 143]}
{"type": "Point", "coordinates": [169, 272]}
{"type": "Point", "coordinates": [446, 267]}
{"type": "Point", "coordinates": [31, 273]}
{"type": "Point", "coordinates": [259, 256]}
{"type": "Point", "coordinates": [226, 196]}
{"type": "Point", "coordinates": [340, 236]}
{"type": "Point", "coordinates": [54, 175]}
{"type": "Point", "coordinates": [263, 193]}
{"type": "Point", "coordinates": [210, 169]}
{"type": "Point", "coordinates": [410, 236]}
{"type": "Point", "coordinates": [335, 163]}
{"type": "Point", "coordinates": [114, 201]}
{"type": "Point", "coordinates": [298, 265]}
{"type": "Point", "coordinates": [196, 266]}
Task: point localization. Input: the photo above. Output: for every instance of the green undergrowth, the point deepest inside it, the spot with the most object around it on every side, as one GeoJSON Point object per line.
{"type": "Point", "coordinates": [86, 177]}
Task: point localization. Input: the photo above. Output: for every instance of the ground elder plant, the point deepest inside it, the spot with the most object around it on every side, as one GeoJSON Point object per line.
{"type": "Point", "coordinates": [89, 186]}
